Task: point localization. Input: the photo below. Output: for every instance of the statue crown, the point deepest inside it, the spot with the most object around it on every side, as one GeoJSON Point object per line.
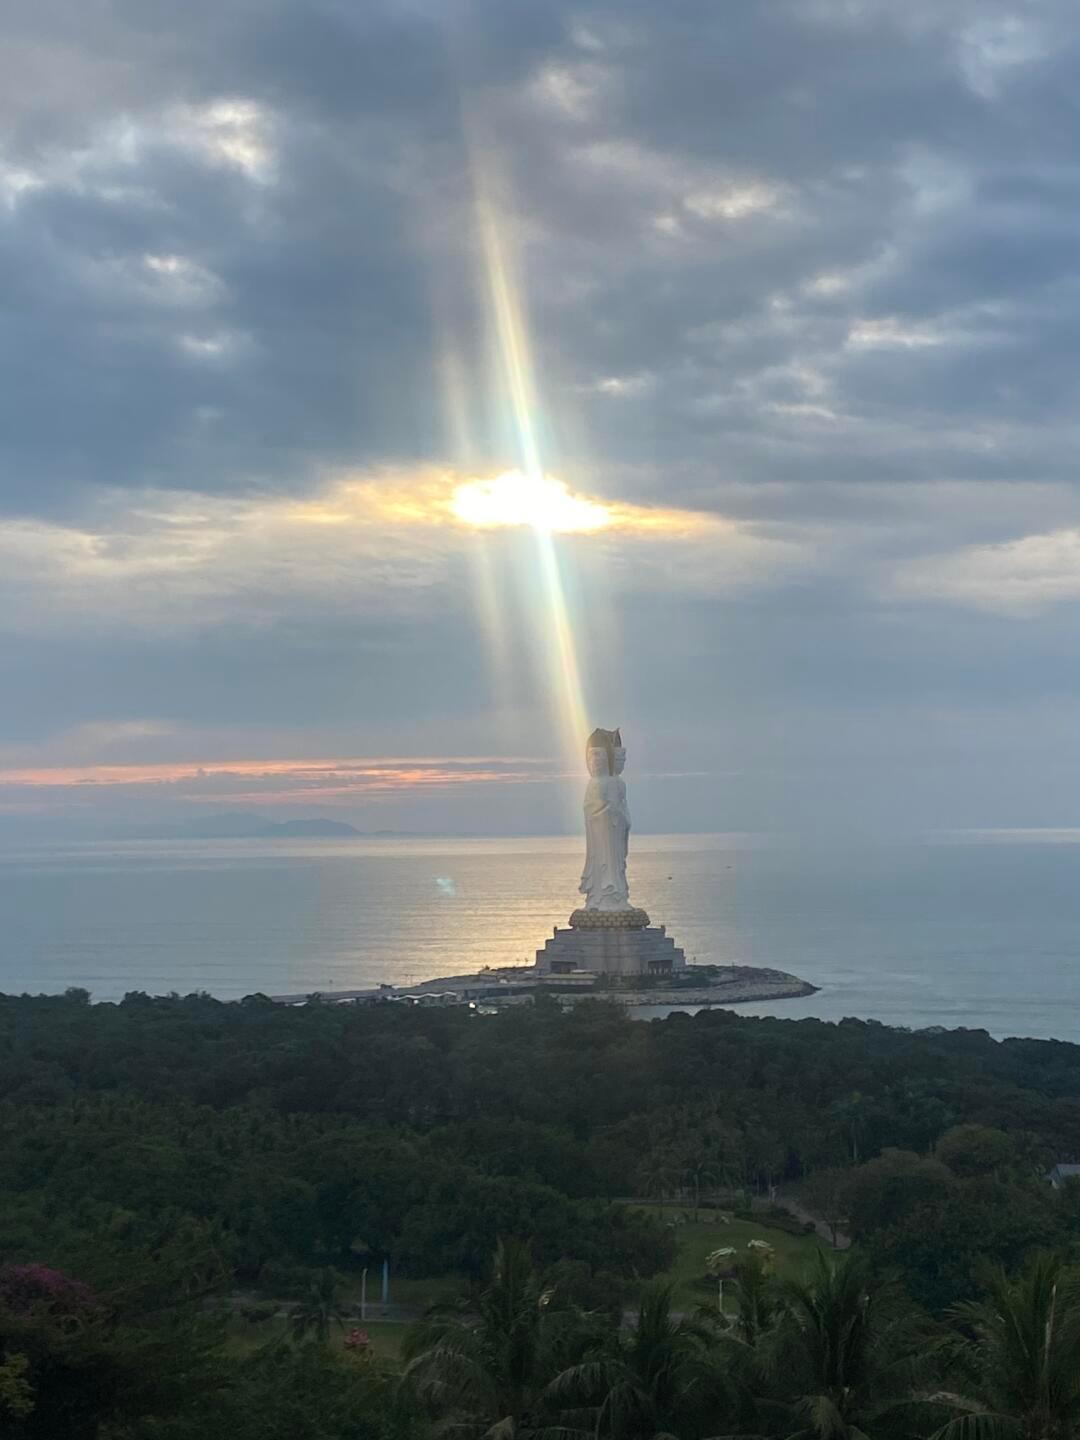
{"type": "Point", "coordinates": [609, 740]}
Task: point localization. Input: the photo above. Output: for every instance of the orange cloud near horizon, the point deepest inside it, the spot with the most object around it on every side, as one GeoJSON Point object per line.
{"type": "Point", "coordinates": [259, 782]}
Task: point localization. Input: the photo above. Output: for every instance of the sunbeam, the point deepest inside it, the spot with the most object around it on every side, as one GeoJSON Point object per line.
{"type": "Point", "coordinates": [543, 504]}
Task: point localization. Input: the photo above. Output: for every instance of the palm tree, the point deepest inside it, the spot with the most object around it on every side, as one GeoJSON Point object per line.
{"type": "Point", "coordinates": [851, 1114]}
{"type": "Point", "coordinates": [847, 1351]}
{"type": "Point", "coordinates": [656, 1175]}
{"type": "Point", "coordinates": [700, 1170]}
{"type": "Point", "coordinates": [642, 1385]}
{"type": "Point", "coordinates": [757, 1299]}
{"type": "Point", "coordinates": [1019, 1359]}
{"type": "Point", "coordinates": [483, 1366]}
{"type": "Point", "coordinates": [319, 1310]}
{"type": "Point", "coordinates": [738, 1379]}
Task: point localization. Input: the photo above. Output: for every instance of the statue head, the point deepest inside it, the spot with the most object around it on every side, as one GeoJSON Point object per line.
{"type": "Point", "coordinates": [604, 753]}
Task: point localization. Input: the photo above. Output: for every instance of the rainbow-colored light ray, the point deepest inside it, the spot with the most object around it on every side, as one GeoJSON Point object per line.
{"type": "Point", "coordinates": [515, 355]}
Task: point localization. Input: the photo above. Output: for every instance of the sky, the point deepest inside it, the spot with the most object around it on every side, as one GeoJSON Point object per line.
{"type": "Point", "coordinates": [393, 391]}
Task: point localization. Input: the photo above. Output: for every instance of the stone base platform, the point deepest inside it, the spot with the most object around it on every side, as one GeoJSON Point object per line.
{"type": "Point", "coordinates": [628, 919]}
{"type": "Point", "coordinates": [611, 950]}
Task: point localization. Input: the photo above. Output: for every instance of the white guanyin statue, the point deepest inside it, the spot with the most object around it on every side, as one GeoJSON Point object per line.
{"type": "Point", "coordinates": [607, 825]}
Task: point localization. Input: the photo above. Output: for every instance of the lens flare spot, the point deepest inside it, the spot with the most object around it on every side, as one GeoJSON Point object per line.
{"type": "Point", "coordinates": [515, 498]}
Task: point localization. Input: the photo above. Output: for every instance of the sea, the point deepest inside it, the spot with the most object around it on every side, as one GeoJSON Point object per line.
{"type": "Point", "coordinates": [980, 931]}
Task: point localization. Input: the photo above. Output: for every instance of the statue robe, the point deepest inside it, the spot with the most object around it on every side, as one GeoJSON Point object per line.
{"type": "Point", "coordinates": [607, 834]}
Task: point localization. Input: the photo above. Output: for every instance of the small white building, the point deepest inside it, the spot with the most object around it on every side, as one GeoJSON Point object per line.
{"type": "Point", "coordinates": [429, 998]}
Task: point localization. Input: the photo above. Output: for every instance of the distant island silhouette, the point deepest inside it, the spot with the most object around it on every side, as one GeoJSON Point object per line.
{"type": "Point", "coordinates": [240, 826]}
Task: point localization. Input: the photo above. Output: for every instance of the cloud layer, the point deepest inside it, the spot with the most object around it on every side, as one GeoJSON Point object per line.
{"type": "Point", "coordinates": [795, 286]}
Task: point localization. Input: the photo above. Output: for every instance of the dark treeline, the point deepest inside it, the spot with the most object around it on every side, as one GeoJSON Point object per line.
{"type": "Point", "coordinates": [158, 1153]}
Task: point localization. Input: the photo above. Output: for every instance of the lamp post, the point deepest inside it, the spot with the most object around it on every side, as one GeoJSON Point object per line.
{"type": "Point", "coordinates": [363, 1293]}
{"type": "Point", "coordinates": [718, 1262]}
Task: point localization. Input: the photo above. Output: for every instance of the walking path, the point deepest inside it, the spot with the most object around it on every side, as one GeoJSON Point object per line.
{"type": "Point", "coordinates": [843, 1242]}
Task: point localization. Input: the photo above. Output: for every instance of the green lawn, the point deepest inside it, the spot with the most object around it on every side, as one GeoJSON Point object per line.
{"type": "Point", "coordinates": [695, 1240]}
{"type": "Point", "coordinates": [699, 1238]}
{"type": "Point", "coordinates": [421, 1293]}
{"type": "Point", "coordinates": [386, 1337]}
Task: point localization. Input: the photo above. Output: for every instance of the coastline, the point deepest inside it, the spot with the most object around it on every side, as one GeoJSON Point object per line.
{"type": "Point", "coordinates": [515, 985]}
{"type": "Point", "coordinates": [760, 984]}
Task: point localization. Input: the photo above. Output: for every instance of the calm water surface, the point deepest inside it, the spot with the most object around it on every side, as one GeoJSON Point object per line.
{"type": "Point", "coordinates": [983, 935]}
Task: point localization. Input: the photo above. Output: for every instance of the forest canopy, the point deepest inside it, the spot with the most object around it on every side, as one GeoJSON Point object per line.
{"type": "Point", "coordinates": [163, 1154]}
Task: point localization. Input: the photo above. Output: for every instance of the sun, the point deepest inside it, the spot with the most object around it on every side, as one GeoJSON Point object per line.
{"type": "Point", "coordinates": [538, 501]}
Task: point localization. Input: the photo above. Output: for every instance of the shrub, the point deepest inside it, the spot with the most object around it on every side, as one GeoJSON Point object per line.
{"type": "Point", "coordinates": [777, 1218]}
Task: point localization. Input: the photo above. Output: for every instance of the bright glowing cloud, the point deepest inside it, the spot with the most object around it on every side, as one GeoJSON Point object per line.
{"type": "Point", "coordinates": [169, 561]}
{"type": "Point", "coordinates": [518, 499]}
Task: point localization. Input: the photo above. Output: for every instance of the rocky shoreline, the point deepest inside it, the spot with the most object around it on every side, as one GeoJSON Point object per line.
{"type": "Point", "coordinates": [751, 984]}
